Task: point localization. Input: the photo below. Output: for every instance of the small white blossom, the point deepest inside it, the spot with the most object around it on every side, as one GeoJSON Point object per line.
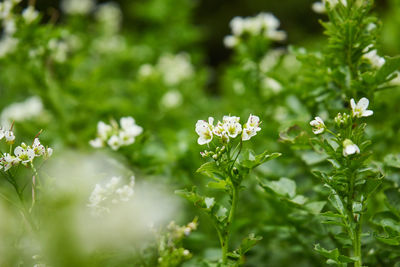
{"type": "Point", "coordinates": [251, 127]}
{"type": "Point", "coordinates": [231, 126]}
{"type": "Point", "coordinates": [9, 135]}
{"type": "Point", "coordinates": [320, 7]}
{"type": "Point", "coordinates": [349, 148]}
{"type": "Point", "coordinates": [114, 142]}
{"type": "Point", "coordinates": [360, 109]}
{"type": "Point", "coordinates": [24, 153]}
{"type": "Point", "coordinates": [318, 124]}
{"type": "Point", "coordinates": [8, 161]}
{"type": "Point", "coordinates": [38, 148]}
{"type": "Point", "coordinates": [205, 131]}
{"type": "Point", "coordinates": [230, 41]}
{"type": "Point", "coordinates": [30, 14]}
{"type": "Point", "coordinates": [110, 16]}
{"type": "Point", "coordinates": [373, 57]}
{"type": "Point", "coordinates": [8, 45]}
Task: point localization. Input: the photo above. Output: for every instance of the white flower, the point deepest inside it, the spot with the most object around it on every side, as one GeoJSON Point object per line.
{"type": "Point", "coordinates": [59, 49]}
{"type": "Point", "coordinates": [7, 45]}
{"type": "Point", "coordinates": [24, 153]}
{"type": "Point", "coordinates": [373, 57]}
{"type": "Point", "coordinates": [318, 124]}
{"type": "Point", "coordinates": [110, 15]}
{"type": "Point", "coordinates": [251, 127]}
{"type": "Point", "coordinates": [8, 161]}
{"type": "Point", "coordinates": [114, 142]}
{"type": "Point", "coordinates": [9, 135]}
{"type": "Point", "coordinates": [172, 99]}
{"type": "Point", "coordinates": [30, 14]}
{"type": "Point", "coordinates": [230, 41]}
{"type": "Point", "coordinates": [318, 7]}
{"type": "Point", "coordinates": [81, 7]}
{"type": "Point", "coordinates": [205, 131]}
{"type": "Point", "coordinates": [128, 125]}
{"type": "Point", "coordinates": [360, 109]}
{"type": "Point", "coordinates": [175, 68]}
{"type": "Point", "coordinates": [96, 143]}
{"type": "Point", "coordinates": [103, 130]}
{"type": "Point", "coordinates": [264, 24]}
{"type": "Point", "coordinates": [124, 193]}
{"type": "Point", "coordinates": [38, 148]}
{"type": "Point", "coordinates": [349, 148]}
{"type": "Point", "coordinates": [231, 126]}
{"type": "Point", "coordinates": [48, 153]}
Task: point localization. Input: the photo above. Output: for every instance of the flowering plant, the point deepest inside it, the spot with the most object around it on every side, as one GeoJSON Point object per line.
{"type": "Point", "coordinates": [227, 167]}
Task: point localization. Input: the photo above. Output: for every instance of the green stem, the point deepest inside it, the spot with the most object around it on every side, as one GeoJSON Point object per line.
{"type": "Point", "coordinates": [225, 243]}
{"type": "Point", "coordinates": [357, 246]}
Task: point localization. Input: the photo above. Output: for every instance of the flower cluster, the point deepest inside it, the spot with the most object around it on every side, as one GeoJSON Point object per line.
{"type": "Point", "coordinates": [358, 110]}
{"type": "Point", "coordinates": [320, 7]}
{"type": "Point", "coordinates": [116, 136]}
{"type": "Point", "coordinates": [264, 24]}
{"type": "Point", "coordinates": [173, 69]}
{"type": "Point", "coordinates": [113, 192]}
{"type": "Point", "coordinates": [23, 154]}
{"type": "Point", "coordinates": [229, 128]}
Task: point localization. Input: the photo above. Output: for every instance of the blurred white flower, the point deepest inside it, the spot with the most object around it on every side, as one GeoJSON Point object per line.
{"type": "Point", "coordinates": [31, 108]}
{"type": "Point", "coordinates": [77, 7]}
{"type": "Point", "coordinates": [373, 57]}
{"type": "Point", "coordinates": [320, 7]}
{"type": "Point", "coordinates": [349, 148]}
{"type": "Point", "coordinates": [264, 24]}
{"type": "Point", "coordinates": [9, 135]}
{"type": "Point", "coordinates": [270, 83]}
{"type": "Point", "coordinates": [171, 99]}
{"type": "Point", "coordinates": [318, 124]}
{"type": "Point", "coordinates": [360, 109]}
{"type": "Point", "coordinates": [59, 50]}
{"type": "Point", "coordinates": [30, 14]}
{"type": "Point", "coordinates": [110, 16]}
{"type": "Point", "coordinates": [175, 68]}
{"type": "Point", "coordinates": [116, 136]}
{"type": "Point", "coordinates": [7, 45]}
{"type": "Point", "coordinates": [104, 196]}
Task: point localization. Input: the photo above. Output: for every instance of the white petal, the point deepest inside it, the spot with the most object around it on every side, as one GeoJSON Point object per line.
{"type": "Point", "coordinates": [367, 113]}
{"type": "Point", "coordinates": [363, 103]}
{"type": "Point", "coordinates": [352, 104]}
{"type": "Point", "coordinates": [18, 151]}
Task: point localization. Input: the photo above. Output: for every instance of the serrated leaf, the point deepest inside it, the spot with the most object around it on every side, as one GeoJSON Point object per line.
{"type": "Point", "coordinates": [315, 207]}
{"type": "Point", "coordinates": [209, 169]}
{"type": "Point", "coordinates": [250, 161]}
{"type": "Point", "coordinates": [221, 184]}
{"type": "Point", "coordinates": [248, 243]}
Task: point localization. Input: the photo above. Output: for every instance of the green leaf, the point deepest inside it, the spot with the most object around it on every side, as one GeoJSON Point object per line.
{"type": "Point", "coordinates": [391, 65]}
{"type": "Point", "coordinates": [248, 243]}
{"type": "Point", "coordinates": [250, 161]}
{"type": "Point", "coordinates": [395, 241]}
{"type": "Point", "coordinates": [210, 169]}
{"type": "Point", "coordinates": [315, 207]}
{"type": "Point", "coordinates": [336, 202]}
{"type": "Point", "coordinates": [392, 160]}
{"type": "Point", "coordinates": [393, 200]}
{"type": "Point", "coordinates": [283, 187]}
{"type": "Point", "coordinates": [388, 222]}
{"type": "Point", "coordinates": [333, 255]}
{"type": "Point", "coordinates": [221, 184]}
